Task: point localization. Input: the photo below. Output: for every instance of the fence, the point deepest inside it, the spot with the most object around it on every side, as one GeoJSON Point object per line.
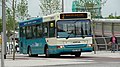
{"type": "Point", "coordinates": [101, 45]}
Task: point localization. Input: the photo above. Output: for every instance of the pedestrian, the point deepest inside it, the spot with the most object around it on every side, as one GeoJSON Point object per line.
{"type": "Point", "coordinates": [114, 42]}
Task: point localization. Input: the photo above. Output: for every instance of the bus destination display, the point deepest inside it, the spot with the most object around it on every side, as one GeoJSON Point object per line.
{"type": "Point", "coordinates": [73, 15]}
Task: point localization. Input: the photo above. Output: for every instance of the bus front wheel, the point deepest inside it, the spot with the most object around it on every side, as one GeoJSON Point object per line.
{"type": "Point", "coordinates": [77, 54]}
{"type": "Point", "coordinates": [46, 52]}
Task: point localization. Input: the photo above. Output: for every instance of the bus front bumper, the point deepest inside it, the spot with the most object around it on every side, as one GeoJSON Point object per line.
{"type": "Point", "coordinates": [87, 49]}
{"type": "Point", "coordinates": [71, 51]}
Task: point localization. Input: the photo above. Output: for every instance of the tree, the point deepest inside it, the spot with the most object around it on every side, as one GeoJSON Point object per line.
{"type": "Point", "coordinates": [111, 16]}
{"type": "Point", "coordinates": [0, 25]}
{"type": "Point", "coordinates": [93, 6]}
{"type": "Point", "coordinates": [21, 13]}
{"type": "Point", "coordinates": [22, 10]}
{"type": "Point", "coordinates": [1, 18]}
{"type": "Point", "coordinates": [50, 6]}
{"type": "Point", "coordinates": [9, 22]}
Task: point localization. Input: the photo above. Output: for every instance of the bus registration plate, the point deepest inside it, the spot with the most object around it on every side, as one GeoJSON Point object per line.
{"type": "Point", "coordinates": [76, 50]}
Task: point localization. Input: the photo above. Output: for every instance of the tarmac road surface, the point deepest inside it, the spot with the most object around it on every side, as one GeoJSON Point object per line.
{"type": "Point", "coordinates": [101, 59]}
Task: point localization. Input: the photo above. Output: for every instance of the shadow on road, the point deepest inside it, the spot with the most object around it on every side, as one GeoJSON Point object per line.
{"type": "Point", "coordinates": [66, 57]}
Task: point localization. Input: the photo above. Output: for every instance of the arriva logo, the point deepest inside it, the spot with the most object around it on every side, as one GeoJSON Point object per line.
{"type": "Point", "coordinates": [35, 44]}
{"type": "Point", "coordinates": [76, 42]}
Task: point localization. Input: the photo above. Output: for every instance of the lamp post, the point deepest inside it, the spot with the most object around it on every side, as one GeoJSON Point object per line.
{"type": "Point", "coordinates": [62, 5]}
{"type": "Point", "coordinates": [3, 53]}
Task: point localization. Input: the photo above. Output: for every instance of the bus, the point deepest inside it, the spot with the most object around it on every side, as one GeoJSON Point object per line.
{"type": "Point", "coordinates": [56, 34]}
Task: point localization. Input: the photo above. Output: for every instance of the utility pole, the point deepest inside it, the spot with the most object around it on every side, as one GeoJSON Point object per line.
{"type": "Point", "coordinates": [62, 5]}
{"type": "Point", "coordinates": [13, 7]}
{"type": "Point", "coordinates": [3, 53]}
{"type": "Point", "coordinates": [95, 44]}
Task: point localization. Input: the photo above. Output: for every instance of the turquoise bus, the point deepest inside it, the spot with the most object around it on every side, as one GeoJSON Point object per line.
{"type": "Point", "coordinates": [56, 34]}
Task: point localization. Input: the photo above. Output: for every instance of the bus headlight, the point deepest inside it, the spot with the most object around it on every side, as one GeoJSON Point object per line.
{"type": "Point", "coordinates": [59, 47]}
{"type": "Point", "coordinates": [91, 45]}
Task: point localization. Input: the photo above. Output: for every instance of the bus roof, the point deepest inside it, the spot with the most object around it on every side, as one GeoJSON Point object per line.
{"type": "Point", "coordinates": [55, 16]}
{"type": "Point", "coordinates": [30, 22]}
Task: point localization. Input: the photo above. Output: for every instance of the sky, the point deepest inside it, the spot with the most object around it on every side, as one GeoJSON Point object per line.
{"type": "Point", "coordinates": [111, 6]}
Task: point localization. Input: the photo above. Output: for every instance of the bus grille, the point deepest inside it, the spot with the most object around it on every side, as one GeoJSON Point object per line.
{"type": "Point", "coordinates": [76, 46]}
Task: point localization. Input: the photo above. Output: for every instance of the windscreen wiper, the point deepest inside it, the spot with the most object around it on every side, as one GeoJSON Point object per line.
{"type": "Point", "coordinates": [82, 33]}
{"type": "Point", "coordinates": [69, 35]}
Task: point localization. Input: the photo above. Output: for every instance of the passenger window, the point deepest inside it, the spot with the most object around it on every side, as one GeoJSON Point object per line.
{"type": "Point", "coordinates": [39, 30]}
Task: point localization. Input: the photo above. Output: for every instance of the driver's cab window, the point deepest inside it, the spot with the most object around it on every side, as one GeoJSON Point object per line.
{"type": "Point", "coordinates": [45, 29]}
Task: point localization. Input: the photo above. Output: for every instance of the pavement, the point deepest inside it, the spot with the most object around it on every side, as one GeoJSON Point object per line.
{"type": "Point", "coordinates": [103, 54]}
{"type": "Point", "coordinates": [25, 61]}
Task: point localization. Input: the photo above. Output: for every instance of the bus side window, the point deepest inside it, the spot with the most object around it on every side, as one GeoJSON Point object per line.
{"type": "Point", "coordinates": [39, 30]}
{"type": "Point", "coordinates": [28, 32]}
{"type": "Point", "coordinates": [34, 31]}
{"type": "Point", "coordinates": [22, 31]}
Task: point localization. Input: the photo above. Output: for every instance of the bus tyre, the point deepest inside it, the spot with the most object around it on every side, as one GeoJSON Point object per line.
{"type": "Point", "coordinates": [46, 52]}
{"type": "Point", "coordinates": [77, 54]}
{"type": "Point", "coordinates": [57, 55]}
{"type": "Point", "coordinates": [29, 52]}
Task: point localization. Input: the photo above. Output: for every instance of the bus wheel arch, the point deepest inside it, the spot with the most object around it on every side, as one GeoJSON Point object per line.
{"type": "Point", "coordinates": [29, 51]}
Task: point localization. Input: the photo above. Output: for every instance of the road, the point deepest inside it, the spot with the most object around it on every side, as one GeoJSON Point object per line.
{"type": "Point", "coordinates": [88, 61]}
{"type": "Point", "coordinates": [101, 59]}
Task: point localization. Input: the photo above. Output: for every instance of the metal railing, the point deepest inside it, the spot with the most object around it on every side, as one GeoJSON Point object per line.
{"type": "Point", "coordinates": [103, 30]}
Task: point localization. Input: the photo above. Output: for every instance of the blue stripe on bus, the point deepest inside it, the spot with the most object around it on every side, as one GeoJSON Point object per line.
{"type": "Point", "coordinates": [30, 22]}
{"type": "Point", "coordinates": [69, 49]}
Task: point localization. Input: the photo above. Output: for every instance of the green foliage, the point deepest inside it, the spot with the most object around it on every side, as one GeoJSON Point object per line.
{"type": "Point", "coordinates": [22, 10]}
{"type": "Point", "coordinates": [111, 16]}
{"type": "Point", "coordinates": [0, 25]}
{"type": "Point", "coordinates": [93, 6]}
{"type": "Point", "coordinates": [9, 20]}
{"type": "Point", "coordinates": [50, 6]}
